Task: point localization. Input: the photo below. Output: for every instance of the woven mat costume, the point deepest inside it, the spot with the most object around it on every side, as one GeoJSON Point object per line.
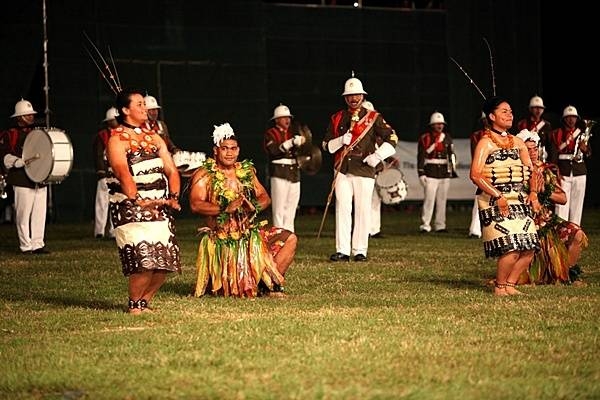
{"type": "Point", "coordinates": [551, 263]}
{"type": "Point", "coordinates": [234, 255]}
{"type": "Point", "coordinates": [145, 235]}
{"type": "Point", "coordinates": [517, 232]}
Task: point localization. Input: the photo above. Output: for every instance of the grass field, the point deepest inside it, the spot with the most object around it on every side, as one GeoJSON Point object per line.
{"type": "Point", "coordinates": [417, 321]}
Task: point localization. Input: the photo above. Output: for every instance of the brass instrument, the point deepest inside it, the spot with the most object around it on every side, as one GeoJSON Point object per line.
{"type": "Point", "coordinates": [451, 161]}
{"type": "Point", "coordinates": [308, 156]}
{"type": "Point", "coordinates": [583, 138]}
{"type": "Point", "coordinates": [3, 194]}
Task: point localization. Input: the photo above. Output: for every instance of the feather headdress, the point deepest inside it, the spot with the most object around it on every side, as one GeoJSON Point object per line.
{"type": "Point", "coordinates": [222, 132]}
{"type": "Point", "coordinates": [111, 77]}
{"type": "Point", "coordinates": [527, 135]}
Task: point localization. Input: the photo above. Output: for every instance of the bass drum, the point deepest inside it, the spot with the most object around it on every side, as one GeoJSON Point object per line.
{"type": "Point", "coordinates": [391, 187]}
{"type": "Point", "coordinates": [48, 155]}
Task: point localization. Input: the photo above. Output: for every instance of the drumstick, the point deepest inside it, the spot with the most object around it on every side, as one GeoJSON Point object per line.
{"type": "Point", "coordinates": [30, 159]}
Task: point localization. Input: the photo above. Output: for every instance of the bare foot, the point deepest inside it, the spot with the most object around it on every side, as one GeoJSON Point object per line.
{"type": "Point", "coordinates": [500, 289]}
{"type": "Point", "coordinates": [512, 290]}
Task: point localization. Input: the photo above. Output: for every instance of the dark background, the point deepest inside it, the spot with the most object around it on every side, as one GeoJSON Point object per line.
{"type": "Point", "coordinates": [234, 61]}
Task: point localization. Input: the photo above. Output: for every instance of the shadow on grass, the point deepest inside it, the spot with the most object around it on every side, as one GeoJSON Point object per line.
{"type": "Point", "coordinates": [454, 283]}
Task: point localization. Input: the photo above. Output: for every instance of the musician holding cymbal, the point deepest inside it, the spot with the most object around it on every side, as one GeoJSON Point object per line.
{"type": "Point", "coordinates": [281, 146]}
{"type": "Point", "coordinates": [30, 196]}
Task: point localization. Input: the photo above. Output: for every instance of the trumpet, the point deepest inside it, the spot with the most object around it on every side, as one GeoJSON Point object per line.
{"type": "Point", "coordinates": [583, 138]}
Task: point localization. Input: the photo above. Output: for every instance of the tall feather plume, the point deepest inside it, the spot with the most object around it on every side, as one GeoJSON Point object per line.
{"type": "Point", "coordinates": [491, 66]}
{"type": "Point", "coordinates": [468, 77]}
{"type": "Point", "coordinates": [110, 76]}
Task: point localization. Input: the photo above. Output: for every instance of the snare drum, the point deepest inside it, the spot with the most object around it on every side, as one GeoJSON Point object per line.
{"type": "Point", "coordinates": [391, 186]}
{"type": "Point", "coordinates": [48, 155]}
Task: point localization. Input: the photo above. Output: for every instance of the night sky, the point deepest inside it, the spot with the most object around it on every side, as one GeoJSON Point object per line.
{"type": "Point", "coordinates": [570, 45]}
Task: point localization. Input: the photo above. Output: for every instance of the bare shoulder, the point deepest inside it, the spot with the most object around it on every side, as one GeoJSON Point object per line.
{"type": "Point", "coordinates": [199, 174]}
{"type": "Point", "coordinates": [519, 142]}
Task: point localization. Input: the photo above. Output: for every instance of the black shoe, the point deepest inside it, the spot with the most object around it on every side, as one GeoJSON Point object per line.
{"type": "Point", "coordinates": [442, 231]}
{"type": "Point", "coordinates": [41, 250]}
{"type": "Point", "coordinates": [25, 253]}
{"type": "Point", "coordinates": [360, 257]}
{"type": "Point", "coordinates": [474, 236]}
{"type": "Point", "coordinates": [99, 236]}
{"type": "Point", "coordinates": [377, 235]}
{"type": "Point", "coordinates": [423, 231]}
{"type": "Point", "coordinates": [339, 257]}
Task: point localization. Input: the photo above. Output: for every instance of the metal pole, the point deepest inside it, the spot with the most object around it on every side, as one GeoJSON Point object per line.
{"type": "Point", "coordinates": [50, 204]}
{"type": "Point", "coordinates": [46, 85]}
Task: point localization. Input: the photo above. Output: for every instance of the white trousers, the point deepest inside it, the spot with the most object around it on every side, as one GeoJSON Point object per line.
{"type": "Point", "coordinates": [358, 191]}
{"type": "Point", "coordinates": [475, 228]}
{"type": "Point", "coordinates": [285, 196]}
{"type": "Point", "coordinates": [101, 210]}
{"type": "Point", "coordinates": [375, 213]}
{"type": "Point", "coordinates": [574, 187]}
{"type": "Point", "coordinates": [30, 216]}
{"type": "Point", "coordinates": [436, 195]}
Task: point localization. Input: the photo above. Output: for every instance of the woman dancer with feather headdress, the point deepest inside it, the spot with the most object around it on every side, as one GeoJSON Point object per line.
{"type": "Point", "coordinates": [500, 167]}
{"type": "Point", "coordinates": [143, 189]}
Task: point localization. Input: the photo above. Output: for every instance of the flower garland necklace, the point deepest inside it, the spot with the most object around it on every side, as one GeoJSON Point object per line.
{"type": "Point", "coordinates": [505, 146]}
{"type": "Point", "coordinates": [224, 195]}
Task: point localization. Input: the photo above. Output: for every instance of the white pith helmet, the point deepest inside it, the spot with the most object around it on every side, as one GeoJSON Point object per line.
{"type": "Point", "coordinates": [437, 118]}
{"type": "Point", "coordinates": [23, 107]}
{"type": "Point", "coordinates": [368, 105]}
{"type": "Point", "coordinates": [111, 113]}
{"type": "Point", "coordinates": [536, 101]}
{"type": "Point", "coordinates": [151, 102]}
{"type": "Point", "coordinates": [353, 86]}
{"type": "Point", "coordinates": [281, 111]}
{"type": "Point", "coordinates": [570, 111]}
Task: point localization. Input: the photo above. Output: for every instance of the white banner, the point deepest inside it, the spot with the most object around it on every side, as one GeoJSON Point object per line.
{"type": "Point", "coordinates": [461, 188]}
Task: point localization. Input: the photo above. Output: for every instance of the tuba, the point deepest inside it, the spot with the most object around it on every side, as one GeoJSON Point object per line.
{"type": "Point", "coordinates": [583, 138]}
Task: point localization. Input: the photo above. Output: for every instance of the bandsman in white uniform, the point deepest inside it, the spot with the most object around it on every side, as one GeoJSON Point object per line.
{"type": "Point", "coordinates": [568, 148]}
{"type": "Point", "coordinates": [30, 197]}
{"type": "Point", "coordinates": [435, 152]}
{"type": "Point", "coordinates": [351, 137]}
{"type": "Point", "coordinates": [281, 146]}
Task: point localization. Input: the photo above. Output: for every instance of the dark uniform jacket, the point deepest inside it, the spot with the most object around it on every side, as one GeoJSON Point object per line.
{"type": "Point", "coordinates": [440, 166]}
{"type": "Point", "coordinates": [565, 165]}
{"type": "Point", "coordinates": [100, 161]}
{"type": "Point", "coordinates": [352, 163]}
{"type": "Point", "coordinates": [533, 126]}
{"type": "Point", "coordinates": [273, 139]}
{"type": "Point", "coordinates": [12, 142]}
{"type": "Point", "coordinates": [161, 128]}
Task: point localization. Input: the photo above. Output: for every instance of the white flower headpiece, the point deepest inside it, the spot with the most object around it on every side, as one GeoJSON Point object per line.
{"type": "Point", "coordinates": [222, 132]}
{"type": "Point", "coordinates": [526, 135]}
